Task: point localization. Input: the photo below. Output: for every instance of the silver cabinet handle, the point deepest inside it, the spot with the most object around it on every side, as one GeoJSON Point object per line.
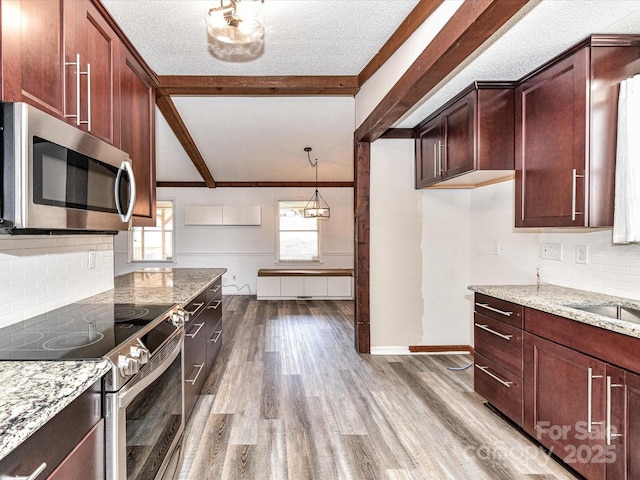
{"type": "Point", "coordinates": [608, 433]}
{"type": "Point", "coordinates": [590, 377]}
{"type": "Point", "coordinates": [215, 307]}
{"type": "Point", "coordinates": [198, 307]}
{"type": "Point", "coordinates": [79, 72]}
{"type": "Point", "coordinates": [495, 377]}
{"type": "Point", "coordinates": [488, 307]}
{"type": "Point", "coordinates": [435, 161]}
{"type": "Point", "coordinates": [218, 333]}
{"type": "Point", "coordinates": [574, 194]}
{"type": "Point", "coordinates": [199, 367]}
{"type": "Point", "coordinates": [193, 335]}
{"type": "Point", "coordinates": [88, 73]}
{"type": "Point", "coordinates": [498, 334]}
{"type": "Point", "coordinates": [216, 288]}
{"type": "Point", "coordinates": [33, 476]}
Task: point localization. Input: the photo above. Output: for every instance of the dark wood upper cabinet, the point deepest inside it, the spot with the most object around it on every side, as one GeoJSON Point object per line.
{"type": "Point", "coordinates": [98, 46]}
{"type": "Point", "coordinates": [469, 141]}
{"type": "Point", "coordinates": [33, 53]}
{"type": "Point", "coordinates": [137, 135]}
{"type": "Point", "coordinates": [566, 116]}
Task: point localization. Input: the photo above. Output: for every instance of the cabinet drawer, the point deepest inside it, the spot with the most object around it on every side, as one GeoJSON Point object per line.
{"type": "Point", "coordinates": [195, 306]}
{"type": "Point", "coordinates": [86, 462]}
{"type": "Point", "coordinates": [499, 342]}
{"type": "Point", "coordinates": [499, 309]}
{"type": "Point", "coordinates": [499, 387]}
{"type": "Point", "coordinates": [214, 291]}
{"type": "Point", "coordinates": [56, 438]}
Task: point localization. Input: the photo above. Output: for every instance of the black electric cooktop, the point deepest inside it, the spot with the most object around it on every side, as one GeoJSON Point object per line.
{"type": "Point", "coordinates": [79, 331]}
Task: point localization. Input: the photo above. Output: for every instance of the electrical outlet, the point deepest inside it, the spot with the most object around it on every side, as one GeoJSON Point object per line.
{"type": "Point", "coordinates": [551, 251]}
{"type": "Point", "coordinates": [495, 247]}
{"type": "Point", "coordinates": [233, 277]}
{"type": "Point", "coordinates": [582, 254]}
{"type": "Point", "coordinates": [91, 261]}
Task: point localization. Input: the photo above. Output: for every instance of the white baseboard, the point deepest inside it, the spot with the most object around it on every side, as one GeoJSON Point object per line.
{"type": "Point", "coordinates": [390, 351]}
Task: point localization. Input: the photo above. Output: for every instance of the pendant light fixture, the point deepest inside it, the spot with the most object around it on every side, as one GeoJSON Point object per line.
{"type": "Point", "coordinates": [235, 30]}
{"type": "Point", "coordinates": [316, 207]}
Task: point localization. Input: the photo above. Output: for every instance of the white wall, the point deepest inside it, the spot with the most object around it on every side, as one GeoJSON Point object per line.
{"type": "Point", "coordinates": [396, 303]}
{"type": "Point", "coordinates": [38, 274]}
{"type": "Point", "coordinates": [428, 246]}
{"type": "Point", "coordinates": [245, 249]}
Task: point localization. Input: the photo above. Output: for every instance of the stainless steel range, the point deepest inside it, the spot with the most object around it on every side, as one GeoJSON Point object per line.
{"type": "Point", "coordinates": [143, 391]}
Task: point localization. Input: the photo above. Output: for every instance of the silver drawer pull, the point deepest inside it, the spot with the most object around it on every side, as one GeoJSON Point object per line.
{"type": "Point", "coordinates": [197, 374]}
{"type": "Point", "coordinates": [497, 334]}
{"type": "Point", "coordinates": [193, 335]}
{"type": "Point", "coordinates": [501, 312]}
{"type": "Point", "coordinates": [214, 340]}
{"type": "Point", "coordinates": [36, 473]}
{"type": "Point", "coordinates": [495, 377]}
{"type": "Point", "coordinates": [215, 307]}
{"type": "Point", "coordinates": [198, 307]}
{"type": "Point", "coordinates": [216, 288]}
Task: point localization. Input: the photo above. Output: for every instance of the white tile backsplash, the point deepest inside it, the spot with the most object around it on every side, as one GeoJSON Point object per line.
{"type": "Point", "coordinates": [38, 274]}
{"type": "Point", "coordinates": [612, 269]}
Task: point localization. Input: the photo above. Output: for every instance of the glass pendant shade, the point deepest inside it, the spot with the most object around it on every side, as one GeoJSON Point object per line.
{"type": "Point", "coordinates": [239, 22]}
{"type": "Point", "coordinates": [317, 207]}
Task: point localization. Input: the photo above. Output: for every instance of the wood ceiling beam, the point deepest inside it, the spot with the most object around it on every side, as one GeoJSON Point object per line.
{"type": "Point", "coordinates": [472, 24]}
{"type": "Point", "coordinates": [265, 86]}
{"type": "Point", "coordinates": [418, 15]}
{"type": "Point", "coordinates": [258, 184]}
{"type": "Point", "coordinates": [171, 115]}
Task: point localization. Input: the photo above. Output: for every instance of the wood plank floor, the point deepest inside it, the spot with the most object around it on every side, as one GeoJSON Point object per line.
{"type": "Point", "coordinates": [289, 398]}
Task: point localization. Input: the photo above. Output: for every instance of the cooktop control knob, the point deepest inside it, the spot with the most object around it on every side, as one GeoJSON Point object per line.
{"type": "Point", "coordinates": [127, 365]}
{"type": "Point", "coordinates": [179, 317]}
{"type": "Point", "coordinates": [139, 353]}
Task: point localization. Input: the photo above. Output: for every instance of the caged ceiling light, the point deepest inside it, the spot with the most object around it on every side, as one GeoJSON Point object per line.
{"type": "Point", "coordinates": [316, 207]}
{"type": "Point", "coordinates": [235, 30]}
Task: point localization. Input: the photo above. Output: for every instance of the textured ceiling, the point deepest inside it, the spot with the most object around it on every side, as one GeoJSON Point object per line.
{"type": "Point", "coordinates": [302, 37]}
{"type": "Point", "coordinates": [261, 138]}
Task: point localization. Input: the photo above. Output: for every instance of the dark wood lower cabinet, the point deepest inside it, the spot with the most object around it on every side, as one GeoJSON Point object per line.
{"type": "Point", "coordinates": [565, 410]}
{"type": "Point", "coordinates": [203, 341]}
{"type": "Point", "coordinates": [86, 461]}
{"type": "Point", "coordinates": [623, 423]}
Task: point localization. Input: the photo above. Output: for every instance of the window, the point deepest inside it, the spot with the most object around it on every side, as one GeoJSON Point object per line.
{"type": "Point", "coordinates": [154, 244]}
{"type": "Point", "coordinates": [298, 237]}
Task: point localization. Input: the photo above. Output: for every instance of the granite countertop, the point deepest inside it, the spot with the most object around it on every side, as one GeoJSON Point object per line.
{"type": "Point", "coordinates": [558, 301]}
{"type": "Point", "coordinates": [34, 392]}
{"type": "Point", "coordinates": [159, 286]}
{"type": "Point", "coordinates": [31, 393]}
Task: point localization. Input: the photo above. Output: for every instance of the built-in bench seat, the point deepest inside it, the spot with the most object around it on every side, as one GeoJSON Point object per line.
{"type": "Point", "coordinates": [295, 283]}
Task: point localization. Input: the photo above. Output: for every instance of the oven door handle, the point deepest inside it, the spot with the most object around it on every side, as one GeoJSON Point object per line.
{"type": "Point", "coordinates": [129, 393]}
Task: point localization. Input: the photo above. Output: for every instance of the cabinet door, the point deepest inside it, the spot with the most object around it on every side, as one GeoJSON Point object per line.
{"type": "Point", "coordinates": [137, 105]}
{"type": "Point", "coordinates": [459, 142]}
{"type": "Point", "coordinates": [551, 114]}
{"type": "Point", "coordinates": [429, 154]}
{"type": "Point", "coordinates": [86, 461]}
{"type": "Point", "coordinates": [564, 404]}
{"type": "Point", "coordinates": [98, 46]}
{"type": "Point", "coordinates": [622, 438]}
{"type": "Point", "coordinates": [33, 63]}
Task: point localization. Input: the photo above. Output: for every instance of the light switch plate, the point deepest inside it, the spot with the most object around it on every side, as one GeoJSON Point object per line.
{"type": "Point", "coordinates": [551, 251]}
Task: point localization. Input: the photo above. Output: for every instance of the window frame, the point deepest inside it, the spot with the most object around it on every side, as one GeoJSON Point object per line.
{"type": "Point", "coordinates": [278, 261]}
{"type": "Point", "coordinates": [173, 239]}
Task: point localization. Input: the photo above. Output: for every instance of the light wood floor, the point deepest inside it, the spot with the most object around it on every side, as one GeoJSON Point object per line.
{"type": "Point", "coordinates": [290, 398]}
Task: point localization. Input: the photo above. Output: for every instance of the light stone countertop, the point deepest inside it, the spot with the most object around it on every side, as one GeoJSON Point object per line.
{"type": "Point", "coordinates": [31, 393]}
{"type": "Point", "coordinates": [558, 301]}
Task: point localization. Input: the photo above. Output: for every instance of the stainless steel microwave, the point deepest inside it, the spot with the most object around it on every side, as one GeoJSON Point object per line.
{"type": "Point", "coordinates": [59, 179]}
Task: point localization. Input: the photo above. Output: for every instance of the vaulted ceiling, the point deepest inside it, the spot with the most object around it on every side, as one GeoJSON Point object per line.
{"type": "Point", "coordinates": [249, 121]}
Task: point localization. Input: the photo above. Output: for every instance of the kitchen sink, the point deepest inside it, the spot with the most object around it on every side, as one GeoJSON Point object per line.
{"type": "Point", "coordinates": [619, 312]}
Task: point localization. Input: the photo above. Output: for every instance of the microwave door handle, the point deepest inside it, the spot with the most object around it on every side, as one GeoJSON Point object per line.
{"type": "Point", "coordinates": [132, 190]}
